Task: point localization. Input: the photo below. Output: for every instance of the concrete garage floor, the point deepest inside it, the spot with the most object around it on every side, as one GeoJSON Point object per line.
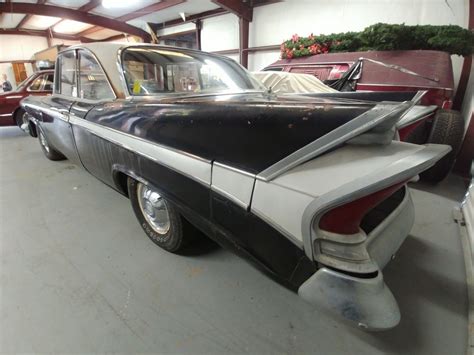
{"type": "Point", "coordinates": [79, 275]}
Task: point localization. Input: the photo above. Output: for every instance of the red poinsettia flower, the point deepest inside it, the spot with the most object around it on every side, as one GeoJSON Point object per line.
{"type": "Point", "coordinates": [295, 38]}
{"type": "Point", "coordinates": [324, 49]}
{"type": "Point", "coordinates": [289, 54]}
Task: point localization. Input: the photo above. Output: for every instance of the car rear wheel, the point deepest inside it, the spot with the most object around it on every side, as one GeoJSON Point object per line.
{"type": "Point", "coordinates": [447, 128]}
{"type": "Point", "coordinates": [21, 119]}
{"type": "Point", "coordinates": [159, 219]}
{"type": "Point", "coordinates": [48, 150]}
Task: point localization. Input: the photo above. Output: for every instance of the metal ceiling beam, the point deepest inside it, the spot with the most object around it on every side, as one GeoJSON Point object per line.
{"type": "Point", "coordinates": [164, 4]}
{"type": "Point", "coordinates": [70, 14]}
{"type": "Point", "coordinates": [40, 33]}
{"type": "Point", "coordinates": [84, 8]}
{"type": "Point", "coordinates": [27, 17]}
{"type": "Point", "coordinates": [192, 18]}
{"type": "Point", "coordinates": [237, 7]}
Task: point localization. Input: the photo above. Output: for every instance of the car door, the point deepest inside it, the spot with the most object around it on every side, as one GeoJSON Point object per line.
{"type": "Point", "coordinates": [55, 118]}
{"type": "Point", "coordinates": [93, 90]}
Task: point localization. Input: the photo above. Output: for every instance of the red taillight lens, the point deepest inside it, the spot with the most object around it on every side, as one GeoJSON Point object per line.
{"type": "Point", "coordinates": [346, 219]}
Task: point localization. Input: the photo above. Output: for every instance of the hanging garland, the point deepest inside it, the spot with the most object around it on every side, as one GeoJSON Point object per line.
{"type": "Point", "coordinates": [383, 37]}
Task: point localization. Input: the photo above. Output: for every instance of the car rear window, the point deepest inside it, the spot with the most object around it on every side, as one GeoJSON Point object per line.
{"type": "Point", "coordinates": [155, 71]}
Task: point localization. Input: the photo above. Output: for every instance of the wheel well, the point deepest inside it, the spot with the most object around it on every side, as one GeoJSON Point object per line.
{"type": "Point", "coordinates": [16, 112]}
{"type": "Point", "coordinates": [120, 179]}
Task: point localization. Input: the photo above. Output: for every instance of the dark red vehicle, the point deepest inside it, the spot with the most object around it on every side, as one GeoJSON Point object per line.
{"type": "Point", "coordinates": [399, 71]}
{"type": "Point", "coordinates": [38, 84]}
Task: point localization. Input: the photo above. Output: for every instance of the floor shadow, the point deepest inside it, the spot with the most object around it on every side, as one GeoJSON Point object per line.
{"type": "Point", "coordinates": [9, 132]}
{"type": "Point", "coordinates": [201, 245]}
{"type": "Point", "coordinates": [416, 282]}
{"type": "Point", "coordinates": [454, 187]}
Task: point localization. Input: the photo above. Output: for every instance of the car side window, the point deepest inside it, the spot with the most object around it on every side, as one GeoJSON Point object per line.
{"type": "Point", "coordinates": [48, 82]}
{"type": "Point", "coordinates": [42, 83]}
{"type": "Point", "coordinates": [92, 79]}
{"type": "Point", "coordinates": [37, 84]}
{"type": "Point", "coordinates": [67, 74]}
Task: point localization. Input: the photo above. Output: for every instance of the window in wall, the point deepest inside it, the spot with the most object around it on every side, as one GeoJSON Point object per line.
{"type": "Point", "coordinates": [68, 74]}
{"type": "Point", "coordinates": [93, 81]}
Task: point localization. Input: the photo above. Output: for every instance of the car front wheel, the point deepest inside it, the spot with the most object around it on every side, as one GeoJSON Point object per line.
{"type": "Point", "coordinates": [160, 220]}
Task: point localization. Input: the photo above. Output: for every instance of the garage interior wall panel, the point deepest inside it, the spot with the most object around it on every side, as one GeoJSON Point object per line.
{"type": "Point", "coordinates": [20, 47]}
{"type": "Point", "coordinates": [220, 33]}
{"type": "Point", "coordinates": [272, 24]}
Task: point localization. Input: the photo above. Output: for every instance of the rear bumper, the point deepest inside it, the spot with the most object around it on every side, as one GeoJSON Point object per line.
{"type": "Point", "coordinates": [367, 302]}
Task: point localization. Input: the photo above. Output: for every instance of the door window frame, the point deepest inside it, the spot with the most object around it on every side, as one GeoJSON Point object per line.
{"type": "Point", "coordinates": [57, 76]}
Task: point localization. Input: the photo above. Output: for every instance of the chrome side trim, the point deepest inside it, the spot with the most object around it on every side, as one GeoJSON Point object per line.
{"type": "Point", "coordinates": [398, 171]}
{"type": "Point", "coordinates": [194, 167]}
{"type": "Point", "coordinates": [235, 184]}
{"type": "Point", "coordinates": [386, 113]}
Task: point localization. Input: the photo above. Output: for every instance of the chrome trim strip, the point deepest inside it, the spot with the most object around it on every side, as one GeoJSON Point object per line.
{"type": "Point", "coordinates": [194, 167]}
{"type": "Point", "coordinates": [383, 112]}
{"type": "Point", "coordinates": [406, 86]}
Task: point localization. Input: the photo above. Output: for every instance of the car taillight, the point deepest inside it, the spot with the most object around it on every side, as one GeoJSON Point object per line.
{"type": "Point", "coordinates": [346, 219]}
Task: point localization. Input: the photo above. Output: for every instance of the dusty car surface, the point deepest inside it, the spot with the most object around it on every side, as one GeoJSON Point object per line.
{"type": "Point", "coordinates": [310, 189]}
{"type": "Point", "coordinates": [37, 84]}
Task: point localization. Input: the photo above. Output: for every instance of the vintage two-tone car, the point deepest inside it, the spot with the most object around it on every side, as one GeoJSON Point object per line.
{"type": "Point", "coordinates": [39, 83]}
{"type": "Point", "coordinates": [310, 189]}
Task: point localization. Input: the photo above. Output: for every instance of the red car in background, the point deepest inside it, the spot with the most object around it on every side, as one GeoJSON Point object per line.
{"type": "Point", "coordinates": [399, 71]}
{"type": "Point", "coordinates": [38, 84]}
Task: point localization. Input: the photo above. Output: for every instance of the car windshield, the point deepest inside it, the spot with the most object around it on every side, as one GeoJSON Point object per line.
{"type": "Point", "coordinates": [157, 71]}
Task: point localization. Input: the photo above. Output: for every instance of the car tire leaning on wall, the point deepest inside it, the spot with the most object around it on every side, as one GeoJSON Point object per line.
{"type": "Point", "coordinates": [48, 150]}
{"type": "Point", "coordinates": [447, 128]}
{"type": "Point", "coordinates": [173, 238]}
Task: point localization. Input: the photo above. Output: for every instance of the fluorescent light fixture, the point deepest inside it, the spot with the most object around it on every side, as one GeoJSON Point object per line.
{"type": "Point", "coordinates": [71, 27]}
{"type": "Point", "coordinates": [119, 4]}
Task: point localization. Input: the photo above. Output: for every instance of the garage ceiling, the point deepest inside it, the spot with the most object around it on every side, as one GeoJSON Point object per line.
{"type": "Point", "coordinates": [94, 20]}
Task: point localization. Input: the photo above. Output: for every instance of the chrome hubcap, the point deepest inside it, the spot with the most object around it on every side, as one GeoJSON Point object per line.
{"type": "Point", "coordinates": [43, 141]}
{"type": "Point", "coordinates": [153, 208]}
